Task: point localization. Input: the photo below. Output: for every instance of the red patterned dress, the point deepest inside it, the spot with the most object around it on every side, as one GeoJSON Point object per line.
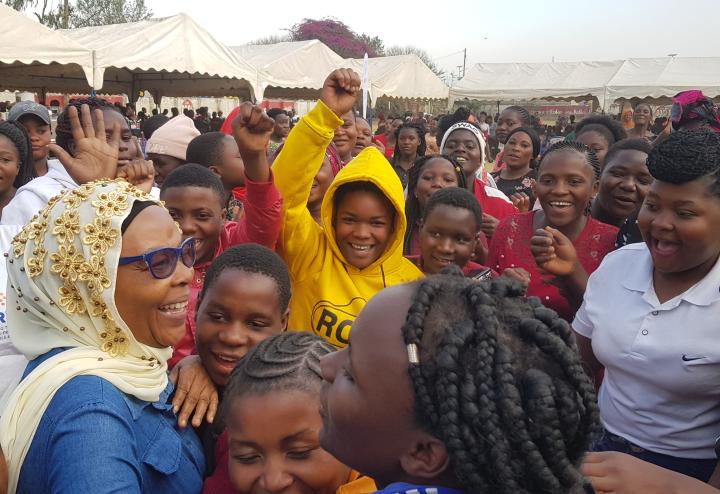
{"type": "Point", "coordinates": [510, 248]}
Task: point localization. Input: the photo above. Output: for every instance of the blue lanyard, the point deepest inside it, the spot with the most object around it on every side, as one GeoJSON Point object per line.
{"type": "Point", "coordinates": [401, 488]}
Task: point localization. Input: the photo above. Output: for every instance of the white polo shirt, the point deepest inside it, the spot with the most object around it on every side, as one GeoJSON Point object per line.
{"type": "Point", "coordinates": [661, 389]}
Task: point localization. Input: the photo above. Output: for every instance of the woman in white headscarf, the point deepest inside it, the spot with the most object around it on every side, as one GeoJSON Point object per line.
{"type": "Point", "coordinates": [98, 285]}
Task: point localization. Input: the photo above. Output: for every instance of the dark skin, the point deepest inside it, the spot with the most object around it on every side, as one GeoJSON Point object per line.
{"type": "Point", "coordinates": [408, 144]}
{"type": "Point", "coordinates": [642, 118]}
{"type": "Point", "coordinates": [623, 185]}
{"type": "Point", "coordinates": [371, 375]}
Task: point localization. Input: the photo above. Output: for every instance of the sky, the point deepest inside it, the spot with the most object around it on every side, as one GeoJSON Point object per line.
{"type": "Point", "coordinates": [497, 31]}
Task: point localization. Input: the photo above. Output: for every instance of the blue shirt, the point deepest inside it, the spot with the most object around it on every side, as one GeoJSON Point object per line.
{"type": "Point", "coordinates": [95, 438]}
{"type": "Point", "coordinates": [402, 488]}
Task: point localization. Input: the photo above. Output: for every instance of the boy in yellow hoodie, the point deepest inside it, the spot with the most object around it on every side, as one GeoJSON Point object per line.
{"type": "Point", "coordinates": [336, 267]}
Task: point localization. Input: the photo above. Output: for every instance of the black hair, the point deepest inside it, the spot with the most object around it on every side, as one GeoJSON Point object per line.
{"type": "Point", "coordinates": [150, 125]}
{"type": "Point", "coordinates": [361, 186]}
{"type": "Point", "coordinates": [448, 121]}
{"type": "Point", "coordinates": [251, 258]}
{"type": "Point", "coordinates": [285, 362]}
{"type": "Point", "coordinates": [17, 134]}
{"type": "Point", "coordinates": [412, 205]}
{"type": "Point", "coordinates": [534, 138]}
{"type": "Point", "coordinates": [194, 175]}
{"type": "Point", "coordinates": [637, 144]}
{"type": "Point", "coordinates": [525, 118]}
{"type": "Point", "coordinates": [590, 157]}
{"type": "Point", "coordinates": [275, 112]}
{"type": "Point", "coordinates": [500, 383]}
{"type": "Point", "coordinates": [420, 129]}
{"type": "Point", "coordinates": [206, 149]}
{"type": "Point", "coordinates": [455, 197]}
{"type": "Point", "coordinates": [687, 155]}
{"type": "Point", "coordinates": [63, 132]}
{"type": "Point", "coordinates": [610, 129]}
{"type": "Point", "coordinates": [646, 104]}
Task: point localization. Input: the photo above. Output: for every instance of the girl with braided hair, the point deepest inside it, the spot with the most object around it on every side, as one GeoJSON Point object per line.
{"type": "Point", "coordinates": [410, 145]}
{"type": "Point", "coordinates": [16, 163]}
{"type": "Point", "coordinates": [450, 386]}
{"type": "Point", "coordinates": [599, 133]}
{"type": "Point", "coordinates": [649, 316]}
{"type": "Point", "coordinates": [510, 119]}
{"type": "Point", "coordinates": [271, 408]}
{"type": "Point", "coordinates": [559, 244]}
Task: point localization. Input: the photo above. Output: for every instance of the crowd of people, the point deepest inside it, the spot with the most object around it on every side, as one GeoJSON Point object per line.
{"type": "Point", "coordinates": [446, 305]}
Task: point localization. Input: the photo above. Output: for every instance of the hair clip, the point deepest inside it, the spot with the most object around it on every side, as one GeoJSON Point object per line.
{"type": "Point", "coordinates": [413, 355]}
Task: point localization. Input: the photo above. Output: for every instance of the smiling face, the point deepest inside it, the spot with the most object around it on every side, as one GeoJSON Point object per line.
{"type": "Point", "coordinates": [153, 309]}
{"type": "Point", "coordinates": [462, 145]}
{"type": "Point", "coordinates": [200, 214]}
{"type": "Point", "coordinates": [346, 136]}
{"type": "Point", "coordinates": [364, 225]}
{"type": "Point", "coordinates": [238, 311]}
{"type": "Point", "coordinates": [9, 164]}
{"type": "Point", "coordinates": [624, 183]}
{"type": "Point", "coordinates": [274, 446]}
{"type": "Point", "coordinates": [679, 224]}
{"type": "Point", "coordinates": [642, 115]}
{"type": "Point", "coordinates": [447, 236]}
{"type": "Point", "coordinates": [518, 151]}
{"type": "Point", "coordinates": [364, 135]}
{"type": "Point", "coordinates": [437, 174]}
{"type": "Point", "coordinates": [371, 374]}
{"type": "Point", "coordinates": [565, 185]}
{"type": "Point", "coordinates": [39, 133]}
{"type": "Point", "coordinates": [509, 120]}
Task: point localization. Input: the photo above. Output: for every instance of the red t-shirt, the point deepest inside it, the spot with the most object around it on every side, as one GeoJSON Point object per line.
{"type": "Point", "coordinates": [382, 138]}
{"type": "Point", "coordinates": [510, 248]}
{"type": "Point", "coordinates": [492, 201]}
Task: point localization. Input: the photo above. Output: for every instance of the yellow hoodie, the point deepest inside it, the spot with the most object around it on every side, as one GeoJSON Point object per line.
{"type": "Point", "coordinates": [328, 293]}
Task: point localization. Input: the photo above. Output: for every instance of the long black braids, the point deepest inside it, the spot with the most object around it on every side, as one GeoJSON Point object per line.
{"type": "Point", "coordinates": [63, 132]}
{"type": "Point", "coordinates": [284, 362]}
{"type": "Point", "coordinates": [500, 382]}
{"type": "Point", "coordinates": [420, 129]}
{"type": "Point", "coordinates": [413, 211]}
{"type": "Point", "coordinates": [525, 117]}
{"type": "Point", "coordinates": [17, 134]}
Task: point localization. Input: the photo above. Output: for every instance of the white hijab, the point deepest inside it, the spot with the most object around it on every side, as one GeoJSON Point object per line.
{"type": "Point", "coordinates": [62, 269]}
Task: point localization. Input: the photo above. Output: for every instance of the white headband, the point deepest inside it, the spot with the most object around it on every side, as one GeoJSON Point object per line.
{"type": "Point", "coordinates": [465, 126]}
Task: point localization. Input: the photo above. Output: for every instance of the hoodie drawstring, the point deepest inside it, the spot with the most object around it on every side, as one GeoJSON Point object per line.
{"type": "Point", "coordinates": [383, 276]}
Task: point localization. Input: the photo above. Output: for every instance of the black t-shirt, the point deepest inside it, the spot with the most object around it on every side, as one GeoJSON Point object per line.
{"type": "Point", "coordinates": [518, 185]}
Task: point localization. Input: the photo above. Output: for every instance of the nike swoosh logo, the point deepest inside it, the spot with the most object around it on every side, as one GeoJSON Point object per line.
{"type": "Point", "coordinates": [690, 359]}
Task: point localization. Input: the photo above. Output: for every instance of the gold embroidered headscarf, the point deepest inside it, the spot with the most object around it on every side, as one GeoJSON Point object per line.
{"type": "Point", "coordinates": [62, 269]}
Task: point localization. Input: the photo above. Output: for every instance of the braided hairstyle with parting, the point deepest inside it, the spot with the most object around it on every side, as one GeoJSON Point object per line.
{"type": "Point", "coordinates": [525, 117]}
{"type": "Point", "coordinates": [17, 134]}
{"type": "Point", "coordinates": [63, 132]}
{"type": "Point", "coordinates": [590, 156]}
{"type": "Point", "coordinates": [687, 155]}
{"type": "Point", "coordinates": [288, 361]}
{"type": "Point", "coordinates": [420, 129]}
{"type": "Point", "coordinates": [610, 129]}
{"type": "Point", "coordinates": [413, 212]}
{"type": "Point", "coordinates": [500, 382]}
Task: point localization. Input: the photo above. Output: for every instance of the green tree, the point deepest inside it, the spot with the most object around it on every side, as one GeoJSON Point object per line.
{"type": "Point", "coordinates": [102, 12]}
{"type": "Point", "coordinates": [272, 39]}
{"type": "Point", "coordinates": [422, 54]}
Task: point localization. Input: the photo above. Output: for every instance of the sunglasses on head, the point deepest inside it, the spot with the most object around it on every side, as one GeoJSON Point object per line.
{"type": "Point", "coordinates": [162, 262]}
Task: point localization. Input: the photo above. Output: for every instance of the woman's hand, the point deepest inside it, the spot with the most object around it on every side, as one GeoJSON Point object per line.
{"type": "Point", "coordinates": [554, 252]}
{"type": "Point", "coordinates": [252, 129]}
{"type": "Point", "coordinates": [194, 391]}
{"type": "Point", "coordinates": [618, 473]}
{"type": "Point", "coordinates": [139, 172]}
{"type": "Point", "coordinates": [94, 157]}
{"type": "Point", "coordinates": [340, 90]}
{"type": "Point", "coordinates": [521, 201]}
{"type": "Point", "coordinates": [517, 274]}
{"type": "Point", "coordinates": [380, 146]}
{"type": "Point", "coordinates": [489, 224]}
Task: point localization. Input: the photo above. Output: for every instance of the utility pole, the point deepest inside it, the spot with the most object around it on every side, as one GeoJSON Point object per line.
{"type": "Point", "coordinates": [464, 60]}
{"type": "Point", "coordinates": [66, 14]}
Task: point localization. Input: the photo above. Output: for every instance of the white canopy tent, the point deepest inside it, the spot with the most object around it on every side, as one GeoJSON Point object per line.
{"type": "Point", "coordinates": [171, 56]}
{"type": "Point", "coordinates": [525, 81]}
{"type": "Point", "coordinates": [665, 77]}
{"type": "Point", "coordinates": [400, 76]}
{"type": "Point", "coordinates": [36, 58]}
{"type": "Point", "coordinates": [292, 69]}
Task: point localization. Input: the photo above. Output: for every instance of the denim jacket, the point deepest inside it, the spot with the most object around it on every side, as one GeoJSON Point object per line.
{"type": "Point", "coordinates": [95, 438]}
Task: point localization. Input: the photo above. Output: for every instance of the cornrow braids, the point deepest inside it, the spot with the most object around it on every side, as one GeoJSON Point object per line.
{"type": "Point", "coordinates": [413, 212]}
{"type": "Point", "coordinates": [610, 129]}
{"type": "Point", "coordinates": [251, 258]}
{"type": "Point", "coordinates": [687, 155]}
{"type": "Point", "coordinates": [17, 134]}
{"type": "Point", "coordinates": [284, 362]}
{"type": "Point", "coordinates": [420, 129]}
{"type": "Point", "coordinates": [525, 116]}
{"type": "Point", "coordinates": [63, 133]}
{"type": "Point", "coordinates": [500, 382]}
{"type": "Point", "coordinates": [590, 156]}
{"type": "Point", "coordinates": [456, 197]}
